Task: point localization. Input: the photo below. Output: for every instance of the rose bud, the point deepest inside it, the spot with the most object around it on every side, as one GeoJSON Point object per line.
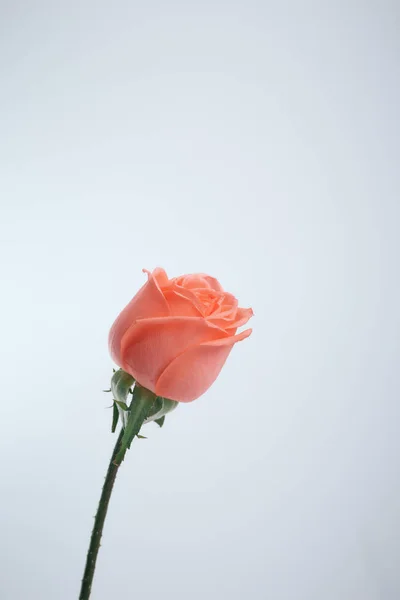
{"type": "Point", "coordinates": [176, 334]}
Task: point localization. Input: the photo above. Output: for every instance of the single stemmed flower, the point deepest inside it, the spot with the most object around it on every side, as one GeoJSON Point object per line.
{"type": "Point", "coordinates": [170, 342]}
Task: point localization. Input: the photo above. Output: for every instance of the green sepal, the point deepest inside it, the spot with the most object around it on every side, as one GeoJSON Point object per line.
{"type": "Point", "coordinates": [121, 383]}
{"type": "Point", "coordinates": [122, 386]}
{"type": "Point", "coordinates": [140, 408]}
{"type": "Point", "coordinates": [121, 404]}
{"type": "Point", "coordinates": [162, 407]}
{"type": "Point", "coordinates": [115, 418]}
{"type": "Point", "coordinates": [155, 409]}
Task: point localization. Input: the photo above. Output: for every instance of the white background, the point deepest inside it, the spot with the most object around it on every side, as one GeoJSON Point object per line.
{"type": "Point", "coordinates": [255, 141]}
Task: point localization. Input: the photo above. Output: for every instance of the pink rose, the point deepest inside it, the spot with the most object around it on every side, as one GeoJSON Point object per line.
{"type": "Point", "coordinates": [176, 334]}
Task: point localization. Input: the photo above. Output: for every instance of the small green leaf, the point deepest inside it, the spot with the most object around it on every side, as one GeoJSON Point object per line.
{"type": "Point", "coordinates": [121, 404]}
{"type": "Point", "coordinates": [115, 418]}
{"type": "Point", "coordinates": [160, 421]}
{"type": "Point", "coordinates": [141, 437]}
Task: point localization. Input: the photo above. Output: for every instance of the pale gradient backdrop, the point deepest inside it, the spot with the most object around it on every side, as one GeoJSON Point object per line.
{"type": "Point", "coordinates": [256, 141]}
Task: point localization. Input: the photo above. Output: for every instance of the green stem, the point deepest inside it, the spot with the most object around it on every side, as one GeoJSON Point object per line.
{"type": "Point", "coordinates": [99, 523]}
{"type": "Point", "coordinates": [142, 402]}
{"type": "Point", "coordinates": [141, 405]}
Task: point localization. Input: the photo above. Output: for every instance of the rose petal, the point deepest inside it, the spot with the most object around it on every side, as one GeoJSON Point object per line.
{"type": "Point", "coordinates": [199, 281]}
{"type": "Point", "coordinates": [159, 275]}
{"type": "Point", "coordinates": [149, 345]}
{"type": "Point", "coordinates": [195, 281]}
{"type": "Point", "coordinates": [189, 375]}
{"type": "Point", "coordinates": [190, 296]}
{"type": "Point", "coordinates": [241, 318]}
{"type": "Point", "coordinates": [181, 305]}
{"type": "Point", "coordinates": [228, 308]}
{"type": "Point", "coordinates": [148, 302]}
{"type": "Point", "coordinates": [231, 322]}
{"type": "Point", "coordinates": [212, 282]}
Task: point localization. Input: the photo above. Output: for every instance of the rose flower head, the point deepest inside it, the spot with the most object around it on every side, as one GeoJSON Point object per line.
{"type": "Point", "coordinates": [176, 334]}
